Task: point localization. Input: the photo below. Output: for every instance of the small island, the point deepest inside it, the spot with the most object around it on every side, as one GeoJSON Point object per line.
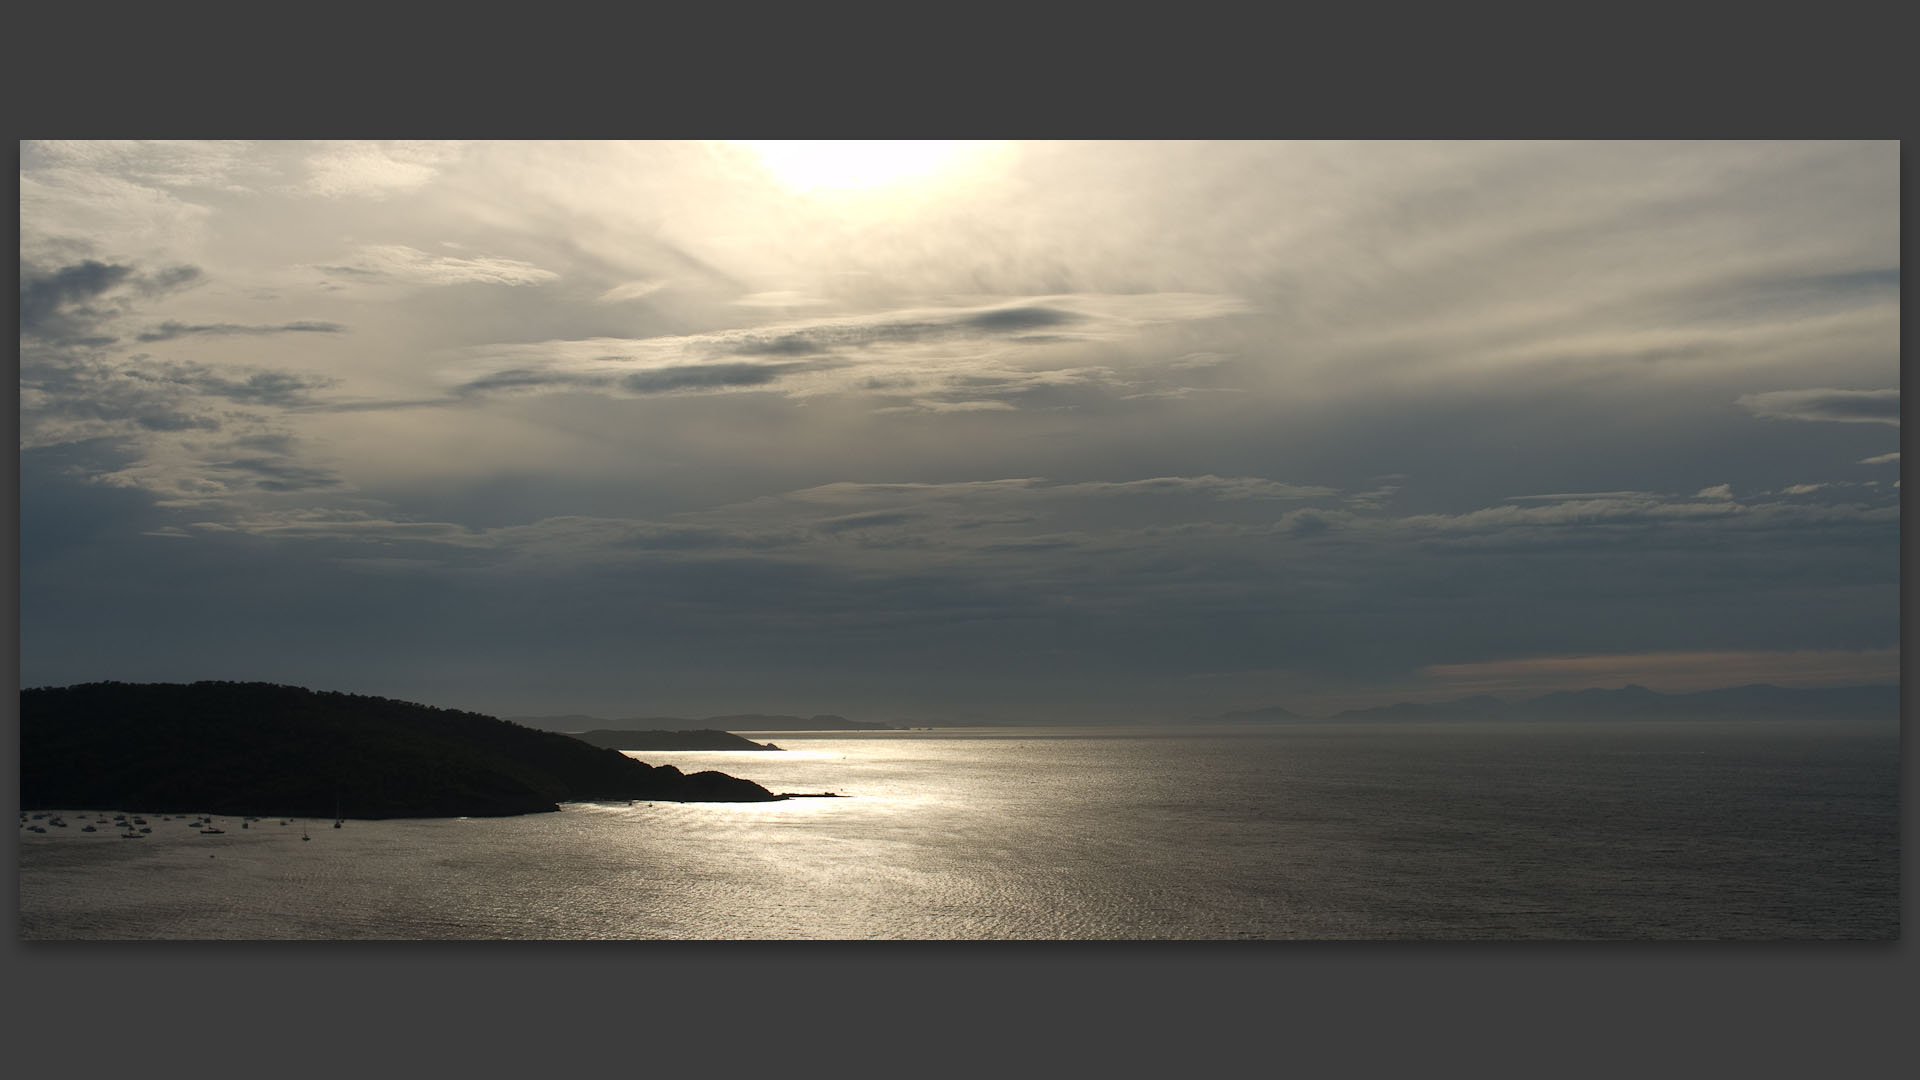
{"type": "Point", "coordinates": [285, 751]}
{"type": "Point", "coordinates": [670, 740]}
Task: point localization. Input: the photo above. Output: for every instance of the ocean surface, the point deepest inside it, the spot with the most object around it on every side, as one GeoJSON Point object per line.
{"type": "Point", "coordinates": [1631, 830]}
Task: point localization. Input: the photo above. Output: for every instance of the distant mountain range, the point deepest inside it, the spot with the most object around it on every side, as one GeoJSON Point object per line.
{"type": "Point", "coordinates": [1626, 703]}
{"type": "Point", "coordinates": [577, 722]}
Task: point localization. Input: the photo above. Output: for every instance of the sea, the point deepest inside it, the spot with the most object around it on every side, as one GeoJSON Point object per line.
{"type": "Point", "coordinates": [1617, 830]}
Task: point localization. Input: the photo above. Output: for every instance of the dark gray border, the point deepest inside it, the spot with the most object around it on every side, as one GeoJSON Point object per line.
{"type": "Point", "coordinates": [1557, 1010]}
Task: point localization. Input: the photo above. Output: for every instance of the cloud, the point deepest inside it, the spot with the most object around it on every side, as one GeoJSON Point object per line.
{"type": "Point", "coordinates": [1843, 406]}
{"type": "Point", "coordinates": [375, 170]}
{"type": "Point", "coordinates": [667, 537]}
{"type": "Point", "coordinates": [71, 304]}
{"type": "Point", "coordinates": [1037, 544]}
{"type": "Point", "coordinates": [709, 377]}
{"type": "Point", "coordinates": [66, 401]}
{"type": "Point", "coordinates": [786, 298]}
{"type": "Point", "coordinates": [662, 380]}
{"type": "Point", "coordinates": [1313, 522]}
{"type": "Point", "coordinates": [1007, 320]}
{"type": "Point", "coordinates": [1377, 498]}
{"type": "Point", "coordinates": [73, 206]}
{"type": "Point", "coordinates": [404, 263]}
{"type": "Point", "coordinates": [874, 520]}
{"type": "Point", "coordinates": [159, 415]}
{"type": "Point", "coordinates": [947, 523]}
{"type": "Point", "coordinates": [257, 388]}
{"type": "Point", "coordinates": [1575, 516]}
{"type": "Point", "coordinates": [1226, 488]}
{"type": "Point", "coordinates": [1582, 496]}
{"type": "Point", "coordinates": [168, 331]}
{"type": "Point", "coordinates": [42, 296]}
{"type": "Point", "coordinates": [161, 163]}
{"type": "Point", "coordinates": [632, 290]}
{"type": "Point", "coordinates": [1644, 522]}
{"type": "Point", "coordinates": [866, 333]}
{"type": "Point", "coordinates": [529, 379]}
{"type": "Point", "coordinates": [75, 389]}
{"type": "Point", "coordinates": [1209, 486]}
{"type": "Point", "coordinates": [932, 405]}
{"type": "Point", "coordinates": [562, 544]}
{"type": "Point", "coordinates": [276, 474]}
{"type": "Point", "coordinates": [956, 359]}
{"type": "Point", "coordinates": [1882, 459]}
{"type": "Point", "coordinates": [168, 279]}
{"type": "Point", "coordinates": [1198, 360]}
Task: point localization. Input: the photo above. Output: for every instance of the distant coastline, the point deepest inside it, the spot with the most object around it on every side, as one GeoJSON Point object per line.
{"type": "Point", "coordinates": [1757, 700]}
{"type": "Point", "coordinates": [669, 740]}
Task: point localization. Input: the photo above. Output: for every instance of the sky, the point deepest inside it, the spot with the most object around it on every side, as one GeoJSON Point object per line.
{"type": "Point", "coordinates": [959, 432]}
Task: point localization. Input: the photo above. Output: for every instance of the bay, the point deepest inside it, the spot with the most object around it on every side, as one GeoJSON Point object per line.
{"type": "Point", "coordinates": [1621, 830]}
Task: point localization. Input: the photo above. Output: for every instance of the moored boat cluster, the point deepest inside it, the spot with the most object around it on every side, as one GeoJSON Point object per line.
{"type": "Point", "coordinates": [136, 826]}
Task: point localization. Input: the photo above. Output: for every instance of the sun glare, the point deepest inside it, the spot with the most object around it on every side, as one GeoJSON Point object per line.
{"type": "Point", "coordinates": [805, 165]}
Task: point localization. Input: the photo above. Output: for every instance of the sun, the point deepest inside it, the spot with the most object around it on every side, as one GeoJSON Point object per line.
{"type": "Point", "coordinates": [810, 165]}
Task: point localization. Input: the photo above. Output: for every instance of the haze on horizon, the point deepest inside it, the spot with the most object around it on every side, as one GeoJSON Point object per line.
{"type": "Point", "coordinates": [930, 431]}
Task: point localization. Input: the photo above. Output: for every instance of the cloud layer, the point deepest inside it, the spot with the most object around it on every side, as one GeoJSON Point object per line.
{"type": "Point", "coordinates": [1842, 406]}
{"type": "Point", "coordinates": [1068, 431]}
